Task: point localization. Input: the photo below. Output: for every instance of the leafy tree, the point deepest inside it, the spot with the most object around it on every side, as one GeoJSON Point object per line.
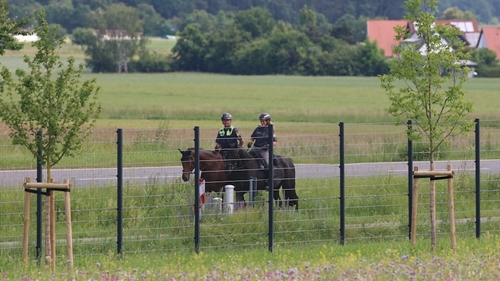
{"type": "Point", "coordinates": [83, 36]}
{"type": "Point", "coordinates": [308, 25]}
{"type": "Point", "coordinates": [487, 63]}
{"type": "Point", "coordinates": [52, 114]}
{"type": "Point", "coordinates": [118, 38]}
{"type": "Point", "coordinates": [371, 59]}
{"type": "Point", "coordinates": [484, 57]}
{"type": "Point", "coordinates": [216, 6]}
{"type": "Point", "coordinates": [433, 97]}
{"type": "Point", "coordinates": [154, 23]}
{"type": "Point", "coordinates": [257, 21]}
{"type": "Point", "coordinates": [307, 17]}
{"type": "Point", "coordinates": [205, 20]}
{"type": "Point", "coordinates": [289, 47]}
{"type": "Point", "coordinates": [434, 74]}
{"type": "Point", "coordinates": [19, 9]}
{"type": "Point", "coordinates": [171, 8]}
{"type": "Point", "coordinates": [189, 51]}
{"type": "Point", "coordinates": [356, 30]}
{"type": "Point", "coordinates": [222, 46]}
{"type": "Point", "coordinates": [10, 27]}
{"type": "Point", "coordinates": [455, 13]}
{"type": "Point", "coordinates": [62, 108]}
{"type": "Point", "coordinates": [94, 4]}
{"type": "Point", "coordinates": [151, 62]}
{"type": "Point", "coordinates": [250, 59]}
{"type": "Point", "coordinates": [223, 20]}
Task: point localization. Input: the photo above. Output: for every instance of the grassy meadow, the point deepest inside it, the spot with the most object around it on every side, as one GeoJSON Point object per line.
{"type": "Point", "coordinates": [188, 99]}
{"type": "Point", "coordinates": [474, 260]}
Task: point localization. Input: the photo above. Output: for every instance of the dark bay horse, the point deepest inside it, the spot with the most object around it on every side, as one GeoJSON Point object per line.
{"type": "Point", "coordinates": [244, 166]}
{"type": "Point", "coordinates": [212, 167]}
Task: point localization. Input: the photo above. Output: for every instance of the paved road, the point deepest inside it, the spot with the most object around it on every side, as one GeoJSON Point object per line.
{"type": "Point", "coordinates": [141, 175]}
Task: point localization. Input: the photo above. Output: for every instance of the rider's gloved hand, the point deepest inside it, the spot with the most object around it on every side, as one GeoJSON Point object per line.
{"type": "Point", "coordinates": [249, 145]}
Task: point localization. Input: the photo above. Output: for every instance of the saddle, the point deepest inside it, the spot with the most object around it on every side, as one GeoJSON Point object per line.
{"type": "Point", "coordinates": [262, 163]}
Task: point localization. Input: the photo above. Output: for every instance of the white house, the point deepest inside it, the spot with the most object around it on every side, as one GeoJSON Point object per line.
{"type": "Point", "coordinates": [27, 38]}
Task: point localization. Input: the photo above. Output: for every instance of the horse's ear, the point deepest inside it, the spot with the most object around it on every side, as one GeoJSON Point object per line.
{"type": "Point", "coordinates": [180, 150]}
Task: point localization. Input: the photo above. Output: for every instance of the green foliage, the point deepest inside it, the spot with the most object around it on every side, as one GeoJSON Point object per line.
{"type": "Point", "coordinates": [434, 73]}
{"type": "Point", "coordinates": [257, 21]}
{"type": "Point", "coordinates": [63, 109]}
{"type": "Point", "coordinates": [487, 63]}
{"type": "Point", "coordinates": [484, 57]}
{"type": "Point", "coordinates": [189, 51]}
{"type": "Point", "coordinates": [10, 27]}
{"type": "Point", "coordinates": [254, 45]}
{"type": "Point", "coordinates": [488, 71]}
{"type": "Point", "coordinates": [118, 39]}
{"type": "Point", "coordinates": [151, 62]}
{"type": "Point", "coordinates": [204, 19]}
{"type": "Point", "coordinates": [357, 27]}
{"type": "Point", "coordinates": [84, 36]}
{"type": "Point", "coordinates": [154, 23]}
{"type": "Point", "coordinates": [454, 13]}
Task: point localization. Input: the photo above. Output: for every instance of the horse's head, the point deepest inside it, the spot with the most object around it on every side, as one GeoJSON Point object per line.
{"type": "Point", "coordinates": [187, 161]}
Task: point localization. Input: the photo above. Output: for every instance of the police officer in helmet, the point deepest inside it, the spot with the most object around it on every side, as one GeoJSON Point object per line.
{"type": "Point", "coordinates": [228, 137]}
{"type": "Point", "coordinates": [259, 138]}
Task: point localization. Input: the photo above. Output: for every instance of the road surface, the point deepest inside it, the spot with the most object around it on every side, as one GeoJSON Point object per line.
{"type": "Point", "coordinates": [140, 175]}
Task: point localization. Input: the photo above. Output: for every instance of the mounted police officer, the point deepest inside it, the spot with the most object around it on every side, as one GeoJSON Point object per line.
{"type": "Point", "coordinates": [228, 137]}
{"type": "Point", "coordinates": [259, 139]}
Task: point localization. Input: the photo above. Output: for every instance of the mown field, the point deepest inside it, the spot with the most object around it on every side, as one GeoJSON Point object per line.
{"type": "Point", "coordinates": [188, 99]}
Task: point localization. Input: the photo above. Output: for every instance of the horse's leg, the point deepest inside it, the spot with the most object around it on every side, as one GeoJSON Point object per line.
{"type": "Point", "coordinates": [240, 200]}
{"type": "Point", "coordinates": [291, 198]}
{"type": "Point", "coordinates": [276, 194]}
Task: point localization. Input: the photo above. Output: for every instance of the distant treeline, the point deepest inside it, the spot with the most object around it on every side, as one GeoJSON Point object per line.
{"type": "Point", "coordinates": [250, 37]}
{"type": "Point", "coordinates": [166, 16]}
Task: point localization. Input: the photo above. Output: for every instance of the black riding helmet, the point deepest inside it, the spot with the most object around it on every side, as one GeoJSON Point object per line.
{"type": "Point", "coordinates": [226, 116]}
{"type": "Point", "coordinates": [265, 116]}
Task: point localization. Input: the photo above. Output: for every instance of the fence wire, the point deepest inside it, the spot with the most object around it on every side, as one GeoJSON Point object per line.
{"type": "Point", "coordinates": [158, 213]}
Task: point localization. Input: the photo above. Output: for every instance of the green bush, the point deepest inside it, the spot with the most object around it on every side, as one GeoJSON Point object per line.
{"type": "Point", "coordinates": [151, 63]}
{"type": "Point", "coordinates": [488, 71]}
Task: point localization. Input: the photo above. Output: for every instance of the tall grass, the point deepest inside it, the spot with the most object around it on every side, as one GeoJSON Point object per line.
{"type": "Point", "coordinates": [159, 238]}
{"type": "Point", "coordinates": [159, 217]}
{"type": "Point", "coordinates": [474, 259]}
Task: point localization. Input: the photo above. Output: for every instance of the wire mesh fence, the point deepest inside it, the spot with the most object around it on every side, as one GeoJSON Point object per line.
{"type": "Point", "coordinates": [158, 206]}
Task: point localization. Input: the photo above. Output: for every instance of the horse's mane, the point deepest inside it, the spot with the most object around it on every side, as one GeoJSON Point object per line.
{"type": "Point", "coordinates": [243, 153]}
{"type": "Point", "coordinates": [209, 153]}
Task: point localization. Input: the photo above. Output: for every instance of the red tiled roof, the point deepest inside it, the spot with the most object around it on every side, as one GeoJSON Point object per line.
{"type": "Point", "coordinates": [491, 34]}
{"type": "Point", "coordinates": [383, 32]}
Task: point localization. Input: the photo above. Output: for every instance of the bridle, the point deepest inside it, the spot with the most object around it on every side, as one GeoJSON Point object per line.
{"type": "Point", "coordinates": [189, 159]}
